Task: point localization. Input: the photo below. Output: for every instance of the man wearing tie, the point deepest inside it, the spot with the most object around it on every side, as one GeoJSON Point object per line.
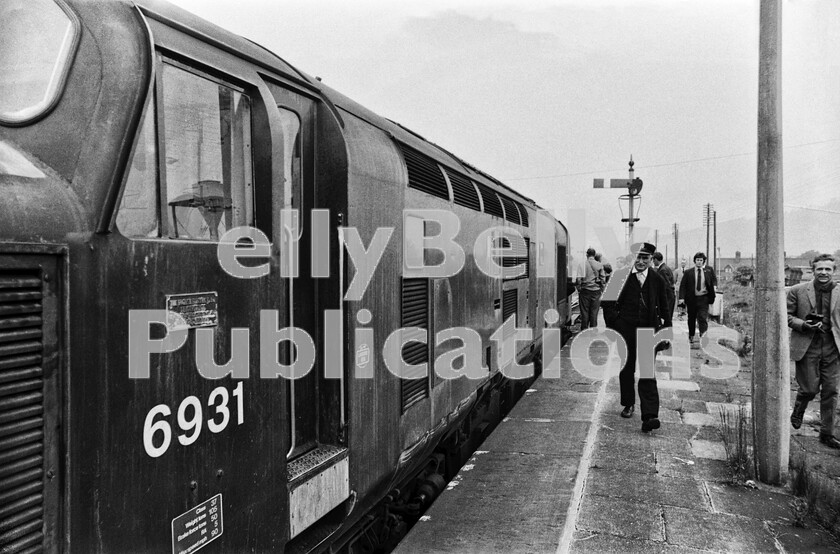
{"type": "Point", "coordinates": [642, 303]}
{"type": "Point", "coordinates": [697, 293]}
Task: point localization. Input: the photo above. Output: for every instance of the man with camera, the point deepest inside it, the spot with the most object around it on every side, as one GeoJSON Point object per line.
{"type": "Point", "coordinates": [814, 320]}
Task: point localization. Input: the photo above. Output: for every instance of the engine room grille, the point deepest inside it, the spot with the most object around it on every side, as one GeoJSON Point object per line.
{"type": "Point", "coordinates": [424, 173]}
{"type": "Point", "coordinates": [21, 412]}
{"type": "Point", "coordinates": [415, 313]}
{"type": "Point", "coordinates": [523, 214]}
{"type": "Point", "coordinates": [492, 205]}
{"type": "Point", "coordinates": [464, 191]}
{"type": "Point", "coordinates": [511, 211]}
{"type": "Point", "coordinates": [510, 301]}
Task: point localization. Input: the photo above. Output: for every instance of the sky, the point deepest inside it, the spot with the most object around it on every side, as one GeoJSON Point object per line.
{"type": "Point", "coordinates": [548, 95]}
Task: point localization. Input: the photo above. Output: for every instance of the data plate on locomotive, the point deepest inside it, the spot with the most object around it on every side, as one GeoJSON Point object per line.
{"type": "Point", "coordinates": [198, 309]}
{"type": "Point", "coordinates": [195, 529]}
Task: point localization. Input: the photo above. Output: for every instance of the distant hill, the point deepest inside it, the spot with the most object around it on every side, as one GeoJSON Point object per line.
{"type": "Point", "coordinates": [804, 230]}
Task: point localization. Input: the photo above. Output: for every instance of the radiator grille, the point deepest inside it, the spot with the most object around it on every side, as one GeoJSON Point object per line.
{"type": "Point", "coordinates": [518, 256]}
{"type": "Point", "coordinates": [523, 214]}
{"type": "Point", "coordinates": [424, 174]}
{"type": "Point", "coordinates": [415, 313]}
{"type": "Point", "coordinates": [510, 303]}
{"type": "Point", "coordinates": [511, 211]}
{"type": "Point", "coordinates": [21, 412]}
{"type": "Point", "coordinates": [464, 191]}
{"type": "Point", "coordinates": [492, 205]}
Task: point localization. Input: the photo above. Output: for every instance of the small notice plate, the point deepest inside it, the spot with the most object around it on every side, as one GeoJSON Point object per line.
{"type": "Point", "coordinates": [198, 527]}
{"type": "Point", "coordinates": [198, 309]}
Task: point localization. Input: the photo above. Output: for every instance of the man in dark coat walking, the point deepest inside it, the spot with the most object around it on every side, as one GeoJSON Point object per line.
{"type": "Point", "coordinates": [666, 273]}
{"type": "Point", "coordinates": [641, 303]}
{"type": "Point", "coordinates": [697, 291]}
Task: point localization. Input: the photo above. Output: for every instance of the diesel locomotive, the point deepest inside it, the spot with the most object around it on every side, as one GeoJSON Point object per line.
{"type": "Point", "coordinates": [146, 399]}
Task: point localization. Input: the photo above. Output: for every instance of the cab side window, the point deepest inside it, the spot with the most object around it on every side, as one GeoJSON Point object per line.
{"type": "Point", "coordinates": [191, 175]}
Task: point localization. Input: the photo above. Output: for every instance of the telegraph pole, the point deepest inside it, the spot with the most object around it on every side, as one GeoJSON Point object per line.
{"type": "Point", "coordinates": [676, 245]}
{"type": "Point", "coordinates": [771, 366]}
{"type": "Point", "coordinates": [714, 242]}
{"type": "Point", "coordinates": [707, 221]}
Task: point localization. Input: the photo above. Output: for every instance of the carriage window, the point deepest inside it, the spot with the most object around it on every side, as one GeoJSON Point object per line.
{"type": "Point", "coordinates": [37, 39]}
{"type": "Point", "coordinates": [207, 147]}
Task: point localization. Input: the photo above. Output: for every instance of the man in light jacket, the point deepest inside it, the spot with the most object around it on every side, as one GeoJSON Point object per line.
{"type": "Point", "coordinates": [814, 318]}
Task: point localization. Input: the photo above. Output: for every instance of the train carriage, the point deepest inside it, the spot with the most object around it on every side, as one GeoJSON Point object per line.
{"type": "Point", "coordinates": [146, 393]}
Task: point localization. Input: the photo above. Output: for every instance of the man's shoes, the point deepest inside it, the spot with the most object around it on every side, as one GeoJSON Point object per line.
{"type": "Point", "coordinates": [628, 411]}
{"type": "Point", "coordinates": [649, 425]}
{"type": "Point", "coordinates": [694, 343]}
{"type": "Point", "coordinates": [830, 441]}
{"type": "Point", "coordinates": [797, 414]}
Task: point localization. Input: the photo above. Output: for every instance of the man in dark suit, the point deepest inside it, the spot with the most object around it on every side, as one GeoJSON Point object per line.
{"type": "Point", "coordinates": [814, 319]}
{"type": "Point", "coordinates": [666, 273]}
{"type": "Point", "coordinates": [641, 303]}
{"type": "Point", "coordinates": [697, 292]}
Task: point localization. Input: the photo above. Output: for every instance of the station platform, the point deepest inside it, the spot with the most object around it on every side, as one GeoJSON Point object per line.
{"type": "Point", "coordinates": [563, 472]}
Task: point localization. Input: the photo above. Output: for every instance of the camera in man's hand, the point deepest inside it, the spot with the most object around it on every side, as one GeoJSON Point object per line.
{"type": "Point", "coordinates": [814, 320]}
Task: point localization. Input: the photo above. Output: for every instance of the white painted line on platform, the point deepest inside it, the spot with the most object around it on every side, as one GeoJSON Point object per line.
{"type": "Point", "coordinates": [568, 533]}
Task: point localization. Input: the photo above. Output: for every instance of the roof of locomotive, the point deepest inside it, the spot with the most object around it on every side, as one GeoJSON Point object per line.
{"type": "Point", "coordinates": [192, 24]}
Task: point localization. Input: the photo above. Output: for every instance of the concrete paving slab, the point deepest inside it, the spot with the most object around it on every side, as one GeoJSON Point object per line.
{"type": "Point", "coordinates": [748, 502]}
{"type": "Point", "coordinates": [634, 443]}
{"type": "Point", "coordinates": [581, 386]}
{"type": "Point", "coordinates": [634, 520]}
{"type": "Point", "coordinates": [556, 406]}
{"type": "Point", "coordinates": [614, 460]}
{"type": "Point", "coordinates": [702, 469]}
{"type": "Point", "coordinates": [509, 502]}
{"type": "Point", "coordinates": [732, 409]}
{"type": "Point", "coordinates": [587, 542]}
{"type": "Point", "coordinates": [646, 488]}
{"type": "Point", "coordinates": [708, 449]}
{"type": "Point", "coordinates": [669, 416]}
{"type": "Point", "coordinates": [689, 405]}
{"type": "Point", "coordinates": [704, 396]}
{"type": "Point", "coordinates": [700, 419]}
{"type": "Point", "coordinates": [716, 532]}
{"type": "Point", "coordinates": [708, 433]}
{"type": "Point", "coordinates": [564, 382]}
{"type": "Point", "coordinates": [799, 539]}
{"type": "Point", "coordinates": [538, 437]}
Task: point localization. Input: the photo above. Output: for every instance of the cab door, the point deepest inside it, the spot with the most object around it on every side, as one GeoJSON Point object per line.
{"type": "Point", "coordinates": [315, 459]}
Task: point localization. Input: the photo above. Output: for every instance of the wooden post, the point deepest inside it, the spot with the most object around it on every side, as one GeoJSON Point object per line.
{"type": "Point", "coordinates": [771, 366]}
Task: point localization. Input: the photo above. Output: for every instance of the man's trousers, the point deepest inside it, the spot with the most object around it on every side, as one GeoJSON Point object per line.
{"type": "Point", "coordinates": [589, 302]}
{"type": "Point", "coordinates": [648, 392]}
{"type": "Point", "coordinates": [818, 372]}
{"type": "Point", "coordinates": [698, 314]}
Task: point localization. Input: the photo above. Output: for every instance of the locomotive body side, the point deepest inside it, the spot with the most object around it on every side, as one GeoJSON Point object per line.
{"type": "Point", "coordinates": [122, 427]}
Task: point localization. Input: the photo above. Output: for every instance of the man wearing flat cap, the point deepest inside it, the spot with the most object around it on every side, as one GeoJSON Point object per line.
{"type": "Point", "coordinates": [642, 303]}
